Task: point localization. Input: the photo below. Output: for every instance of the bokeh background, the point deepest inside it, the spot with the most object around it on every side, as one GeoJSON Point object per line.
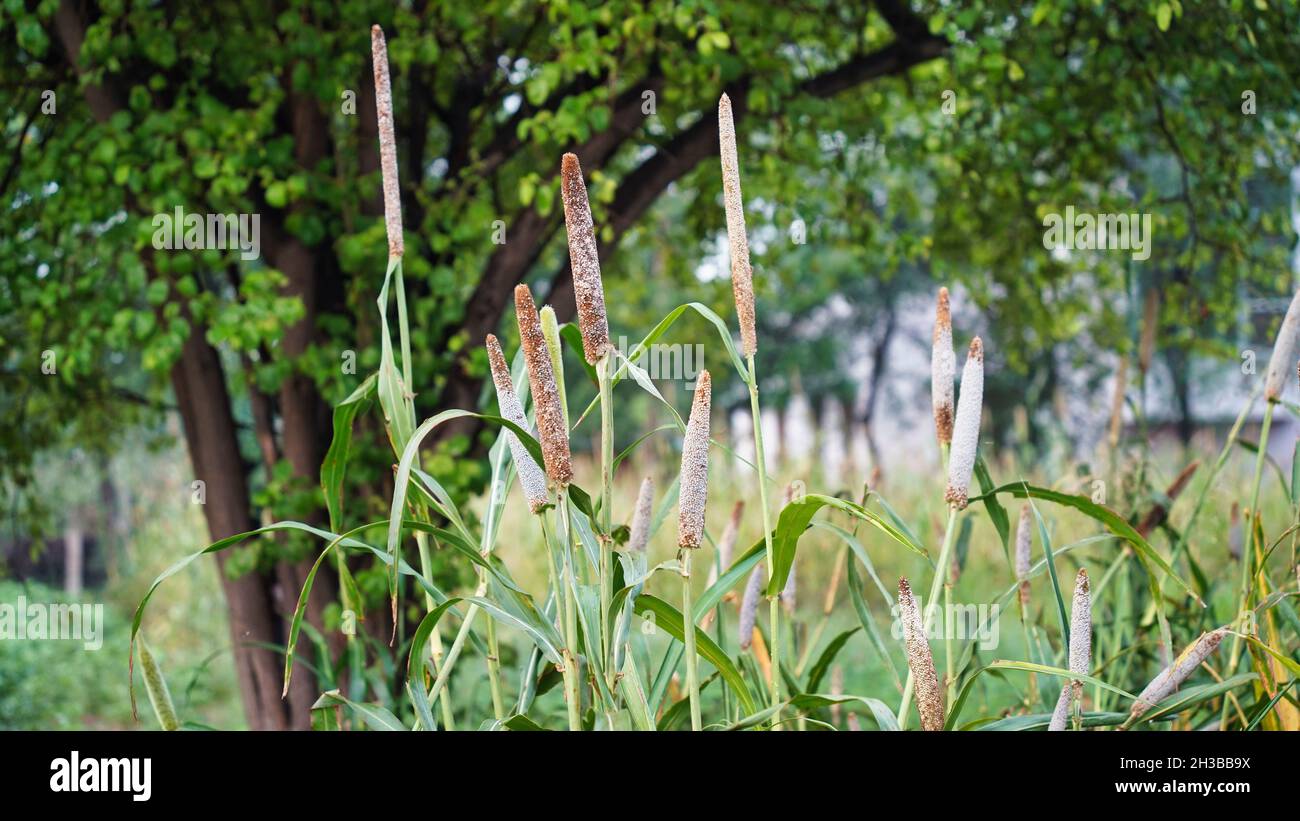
{"type": "Point", "coordinates": [886, 148]}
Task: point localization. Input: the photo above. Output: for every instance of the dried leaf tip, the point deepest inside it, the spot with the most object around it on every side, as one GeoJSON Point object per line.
{"type": "Point", "coordinates": [531, 478]}
{"type": "Point", "coordinates": [695, 466]}
{"type": "Point", "coordinates": [584, 261]}
{"type": "Point", "coordinates": [966, 429]}
{"type": "Point", "coordinates": [552, 431]}
{"type": "Point", "coordinates": [943, 370]}
{"type": "Point", "coordinates": [742, 275]}
{"type": "Point", "coordinates": [929, 698]}
{"type": "Point", "coordinates": [387, 142]}
{"type": "Point", "coordinates": [639, 535]}
{"type": "Point", "coordinates": [1284, 352]}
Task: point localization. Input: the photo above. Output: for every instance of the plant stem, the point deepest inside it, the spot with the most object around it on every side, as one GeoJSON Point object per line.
{"type": "Point", "coordinates": [564, 543]}
{"type": "Point", "coordinates": [949, 679]}
{"type": "Point", "coordinates": [494, 670]}
{"type": "Point", "coordinates": [774, 610]}
{"type": "Point", "coordinates": [688, 614]}
{"type": "Point", "coordinates": [940, 571]}
{"type": "Point", "coordinates": [1248, 544]}
{"type": "Point", "coordinates": [435, 638]}
{"type": "Point", "coordinates": [604, 373]}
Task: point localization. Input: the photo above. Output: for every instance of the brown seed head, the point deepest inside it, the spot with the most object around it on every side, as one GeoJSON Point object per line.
{"type": "Point", "coordinates": [553, 433]}
{"type": "Point", "coordinates": [943, 370]}
{"type": "Point", "coordinates": [695, 466]}
{"type": "Point", "coordinates": [929, 698]}
{"type": "Point", "coordinates": [742, 276]}
{"type": "Point", "coordinates": [530, 475]}
{"type": "Point", "coordinates": [584, 260]}
{"type": "Point", "coordinates": [387, 142]}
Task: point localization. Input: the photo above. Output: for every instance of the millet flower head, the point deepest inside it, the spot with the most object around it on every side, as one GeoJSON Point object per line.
{"type": "Point", "coordinates": [584, 260]}
{"type": "Point", "coordinates": [966, 429]}
{"type": "Point", "coordinates": [551, 429]}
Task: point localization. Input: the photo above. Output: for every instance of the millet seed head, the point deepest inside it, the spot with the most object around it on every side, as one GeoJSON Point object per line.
{"type": "Point", "coordinates": [943, 370]}
{"type": "Point", "coordinates": [742, 275]}
{"type": "Point", "coordinates": [387, 142]}
{"type": "Point", "coordinates": [966, 429]}
{"type": "Point", "coordinates": [552, 431]}
{"type": "Point", "coordinates": [639, 535]}
{"type": "Point", "coordinates": [929, 697]}
{"type": "Point", "coordinates": [531, 478]}
{"type": "Point", "coordinates": [1284, 352]}
{"type": "Point", "coordinates": [584, 261]}
{"type": "Point", "coordinates": [749, 605]}
{"type": "Point", "coordinates": [695, 466]}
{"type": "Point", "coordinates": [1172, 677]}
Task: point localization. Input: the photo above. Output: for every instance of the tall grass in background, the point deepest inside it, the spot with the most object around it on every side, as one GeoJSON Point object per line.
{"type": "Point", "coordinates": [602, 629]}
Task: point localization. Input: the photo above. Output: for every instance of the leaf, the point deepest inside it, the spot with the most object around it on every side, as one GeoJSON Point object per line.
{"type": "Point", "coordinates": [399, 413]}
{"type": "Point", "coordinates": [823, 662]}
{"type": "Point", "coordinates": [1104, 515]}
{"type": "Point", "coordinates": [670, 619]}
{"type": "Point", "coordinates": [407, 464]}
{"type": "Point", "coordinates": [883, 716]}
{"type": "Point", "coordinates": [1050, 558]}
{"type": "Point", "coordinates": [335, 465]}
{"type": "Point", "coordinates": [794, 520]}
{"type": "Point", "coordinates": [415, 670]}
{"type": "Point", "coordinates": [1164, 15]}
{"type": "Point", "coordinates": [868, 621]}
{"type": "Point", "coordinates": [997, 513]}
{"type": "Point", "coordinates": [376, 717]}
{"type": "Point", "coordinates": [1057, 671]}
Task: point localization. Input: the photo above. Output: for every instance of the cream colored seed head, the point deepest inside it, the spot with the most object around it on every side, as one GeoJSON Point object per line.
{"type": "Point", "coordinates": [1284, 352]}
{"type": "Point", "coordinates": [1024, 546]}
{"type": "Point", "coordinates": [749, 605]}
{"type": "Point", "coordinates": [1080, 650]}
{"type": "Point", "coordinates": [727, 546]}
{"type": "Point", "coordinates": [695, 466]}
{"type": "Point", "coordinates": [966, 429]}
{"type": "Point", "coordinates": [1172, 677]}
{"type": "Point", "coordinates": [929, 697]}
{"type": "Point", "coordinates": [639, 535]}
{"type": "Point", "coordinates": [584, 261]}
{"type": "Point", "coordinates": [943, 370]}
{"type": "Point", "coordinates": [552, 432]}
{"type": "Point", "coordinates": [387, 142]}
{"type": "Point", "coordinates": [531, 478]}
{"type": "Point", "coordinates": [742, 276]}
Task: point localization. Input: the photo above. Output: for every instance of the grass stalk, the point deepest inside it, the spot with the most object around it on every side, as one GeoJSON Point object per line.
{"type": "Point", "coordinates": [774, 609]}
{"type": "Point", "coordinates": [940, 571]}
{"type": "Point", "coordinates": [692, 672]}
{"type": "Point", "coordinates": [1248, 550]}
{"type": "Point", "coordinates": [571, 677]}
{"type": "Point", "coordinates": [604, 374]}
{"type": "Point", "coordinates": [435, 638]}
